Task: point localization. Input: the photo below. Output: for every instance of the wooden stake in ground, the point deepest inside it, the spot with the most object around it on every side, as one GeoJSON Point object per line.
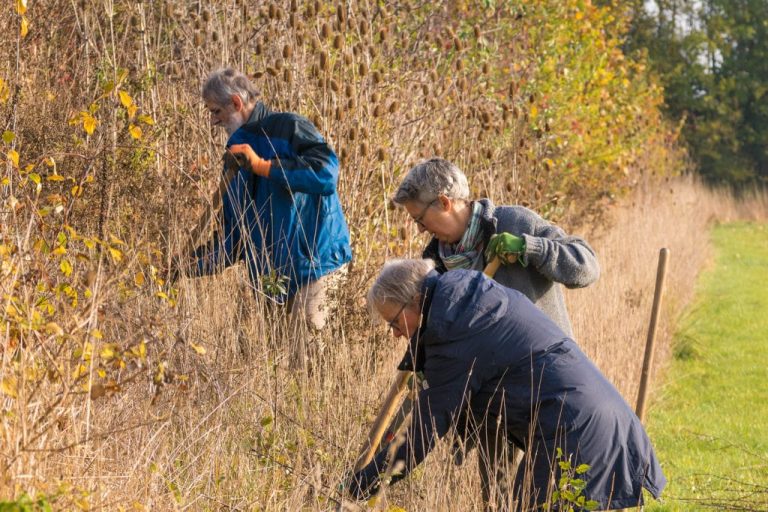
{"type": "Point", "coordinates": [645, 376]}
{"type": "Point", "coordinates": [392, 401]}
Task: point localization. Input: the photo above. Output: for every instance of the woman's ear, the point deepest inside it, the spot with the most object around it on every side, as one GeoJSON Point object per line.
{"type": "Point", "coordinates": [445, 202]}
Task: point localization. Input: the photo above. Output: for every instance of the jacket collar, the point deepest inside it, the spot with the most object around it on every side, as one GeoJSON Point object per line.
{"type": "Point", "coordinates": [413, 360]}
{"type": "Point", "coordinates": [260, 111]}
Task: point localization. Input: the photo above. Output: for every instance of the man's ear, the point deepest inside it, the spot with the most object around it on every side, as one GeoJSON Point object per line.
{"type": "Point", "coordinates": [237, 101]}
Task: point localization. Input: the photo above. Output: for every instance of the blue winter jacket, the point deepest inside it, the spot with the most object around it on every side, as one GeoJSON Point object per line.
{"type": "Point", "coordinates": [290, 223]}
{"type": "Point", "coordinates": [489, 352]}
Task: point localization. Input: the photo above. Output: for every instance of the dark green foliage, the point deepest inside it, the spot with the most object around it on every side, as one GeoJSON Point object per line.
{"type": "Point", "coordinates": [710, 57]}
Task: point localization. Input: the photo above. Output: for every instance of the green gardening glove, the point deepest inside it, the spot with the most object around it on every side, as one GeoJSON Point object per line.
{"type": "Point", "coordinates": [507, 247]}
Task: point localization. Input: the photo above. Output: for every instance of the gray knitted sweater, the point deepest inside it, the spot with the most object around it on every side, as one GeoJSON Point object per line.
{"type": "Point", "coordinates": [553, 258]}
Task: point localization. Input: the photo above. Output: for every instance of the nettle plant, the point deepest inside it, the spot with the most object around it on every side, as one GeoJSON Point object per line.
{"type": "Point", "coordinates": [569, 495]}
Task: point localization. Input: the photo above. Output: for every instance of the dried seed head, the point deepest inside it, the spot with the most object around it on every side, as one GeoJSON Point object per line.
{"type": "Point", "coordinates": [433, 76]}
{"type": "Point", "coordinates": [317, 121]}
{"type": "Point", "coordinates": [334, 85]}
{"type": "Point", "coordinates": [287, 51]}
{"type": "Point", "coordinates": [198, 40]}
{"type": "Point", "coordinates": [338, 41]}
{"type": "Point", "coordinates": [309, 12]}
{"type": "Point", "coordinates": [433, 104]}
{"type": "Point", "coordinates": [486, 117]}
{"type": "Point", "coordinates": [376, 77]}
{"type": "Point", "coordinates": [278, 64]}
{"type": "Point", "coordinates": [350, 103]}
{"type": "Point", "coordinates": [339, 114]}
{"type": "Point", "coordinates": [293, 20]}
{"type": "Point", "coordinates": [457, 44]}
{"type": "Point", "coordinates": [362, 69]}
{"type": "Point", "coordinates": [348, 90]}
{"type": "Point", "coordinates": [393, 107]}
{"type": "Point", "coordinates": [378, 111]}
{"type": "Point", "coordinates": [325, 31]}
{"type": "Point", "coordinates": [402, 233]}
{"type": "Point", "coordinates": [272, 71]}
{"type": "Point", "coordinates": [488, 156]}
{"type": "Point", "coordinates": [323, 61]}
{"type": "Point", "coordinates": [352, 133]}
{"type": "Point", "coordinates": [348, 59]}
{"type": "Point", "coordinates": [134, 21]}
{"type": "Point", "coordinates": [381, 154]}
{"type": "Point", "coordinates": [383, 34]}
{"type": "Point", "coordinates": [425, 89]}
{"type": "Point", "coordinates": [198, 24]}
{"type": "Point", "coordinates": [363, 27]}
{"type": "Point", "coordinates": [258, 74]}
{"type": "Point", "coordinates": [372, 51]}
{"type": "Point", "coordinates": [459, 65]}
{"type": "Point", "coordinates": [344, 154]}
{"type": "Point", "coordinates": [363, 149]}
{"type": "Point", "coordinates": [299, 39]}
{"type": "Point", "coordinates": [317, 6]}
{"type": "Point", "coordinates": [476, 30]}
{"type": "Point", "coordinates": [375, 97]}
{"type": "Point", "coordinates": [287, 76]}
{"type": "Point", "coordinates": [486, 68]}
{"type": "Point", "coordinates": [214, 36]}
{"type": "Point", "coordinates": [341, 13]}
{"type": "Point", "coordinates": [206, 16]}
{"type": "Point", "coordinates": [272, 11]}
{"type": "Point", "coordinates": [294, 6]}
{"type": "Point", "coordinates": [236, 38]}
{"type": "Point", "coordinates": [259, 49]}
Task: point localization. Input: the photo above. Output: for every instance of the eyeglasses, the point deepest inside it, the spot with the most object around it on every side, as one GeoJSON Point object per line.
{"type": "Point", "coordinates": [392, 323]}
{"type": "Point", "coordinates": [418, 219]}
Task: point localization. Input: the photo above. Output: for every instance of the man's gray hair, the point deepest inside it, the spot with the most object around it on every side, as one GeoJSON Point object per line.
{"type": "Point", "coordinates": [430, 178]}
{"type": "Point", "coordinates": [225, 82]}
{"type": "Point", "coordinates": [399, 282]}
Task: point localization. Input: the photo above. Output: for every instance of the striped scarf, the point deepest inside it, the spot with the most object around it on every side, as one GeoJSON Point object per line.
{"type": "Point", "coordinates": [467, 253]}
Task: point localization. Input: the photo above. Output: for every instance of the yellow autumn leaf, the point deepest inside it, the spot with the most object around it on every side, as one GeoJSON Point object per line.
{"type": "Point", "coordinates": [58, 251]}
{"type": "Point", "coordinates": [24, 26]}
{"type": "Point", "coordinates": [138, 279]}
{"type": "Point", "coordinates": [534, 112]}
{"type": "Point", "coordinates": [107, 353]}
{"type": "Point", "coordinates": [116, 254]}
{"type": "Point", "coordinates": [146, 119]}
{"type": "Point", "coordinates": [395, 508]}
{"type": "Point", "coordinates": [13, 156]}
{"type": "Point", "coordinates": [135, 131]}
{"type": "Point", "coordinates": [132, 111]}
{"type": "Point", "coordinates": [77, 191]}
{"type": "Point", "coordinates": [89, 123]}
{"type": "Point", "coordinates": [21, 6]}
{"type": "Point", "coordinates": [8, 136]}
{"type": "Point", "coordinates": [198, 348]}
{"type": "Point", "coordinates": [115, 241]}
{"type": "Point", "coordinates": [9, 386]}
{"type": "Point", "coordinates": [55, 177]}
{"type": "Point", "coordinates": [126, 99]}
{"type": "Point", "coordinates": [66, 268]}
{"type": "Point", "coordinates": [5, 91]}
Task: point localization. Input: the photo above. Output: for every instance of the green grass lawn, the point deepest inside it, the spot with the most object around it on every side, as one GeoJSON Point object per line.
{"type": "Point", "coordinates": [709, 418]}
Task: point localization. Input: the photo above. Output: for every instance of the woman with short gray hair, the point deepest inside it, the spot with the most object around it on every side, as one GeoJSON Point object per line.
{"type": "Point", "coordinates": [468, 234]}
{"type": "Point", "coordinates": [494, 358]}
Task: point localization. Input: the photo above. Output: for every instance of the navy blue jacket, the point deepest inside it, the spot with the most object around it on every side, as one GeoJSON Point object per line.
{"type": "Point", "coordinates": [487, 350]}
{"type": "Point", "coordinates": [290, 223]}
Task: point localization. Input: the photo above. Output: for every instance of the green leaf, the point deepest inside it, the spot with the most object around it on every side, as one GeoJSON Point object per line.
{"type": "Point", "coordinates": [66, 268]}
{"type": "Point", "coordinates": [582, 468]}
{"type": "Point", "coordinates": [8, 136]}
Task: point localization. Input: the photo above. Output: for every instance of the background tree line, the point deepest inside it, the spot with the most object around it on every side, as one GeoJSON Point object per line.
{"type": "Point", "coordinates": [710, 57]}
